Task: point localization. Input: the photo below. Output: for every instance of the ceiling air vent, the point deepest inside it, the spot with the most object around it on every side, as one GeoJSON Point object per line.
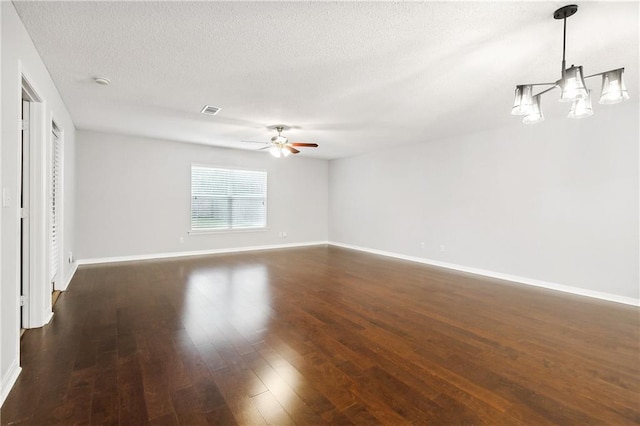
{"type": "Point", "coordinates": [211, 110]}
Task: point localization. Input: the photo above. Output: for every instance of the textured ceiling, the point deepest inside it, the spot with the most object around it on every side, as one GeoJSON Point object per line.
{"type": "Point", "coordinates": [351, 76]}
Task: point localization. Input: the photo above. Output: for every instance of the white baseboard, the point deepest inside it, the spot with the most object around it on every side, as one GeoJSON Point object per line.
{"type": "Point", "coordinates": [9, 380]}
{"type": "Point", "coordinates": [67, 281]}
{"type": "Point", "coordinates": [48, 317]}
{"type": "Point", "coordinates": [194, 253]}
{"type": "Point", "coordinates": [498, 275]}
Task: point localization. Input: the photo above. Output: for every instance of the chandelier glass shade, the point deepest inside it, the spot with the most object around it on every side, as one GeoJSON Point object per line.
{"type": "Point", "coordinates": [571, 84]}
{"type": "Point", "coordinates": [524, 100]}
{"type": "Point", "coordinates": [613, 89]}
{"type": "Point", "coordinates": [581, 108]}
{"type": "Point", "coordinates": [534, 115]}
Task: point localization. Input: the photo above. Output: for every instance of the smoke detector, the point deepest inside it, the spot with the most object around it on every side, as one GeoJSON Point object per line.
{"type": "Point", "coordinates": [102, 81]}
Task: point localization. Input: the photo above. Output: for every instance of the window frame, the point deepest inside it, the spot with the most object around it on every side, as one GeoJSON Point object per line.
{"type": "Point", "coordinates": [227, 230]}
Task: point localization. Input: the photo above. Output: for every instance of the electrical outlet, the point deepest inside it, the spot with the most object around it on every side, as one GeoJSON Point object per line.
{"type": "Point", "coordinates": [284, 234]}
{"type": "Point", "coordinates": [442, 248]}
{"type": "Point", "coordinates": [181, 239]}
{"type": "Point", "coordinates": [422, 245]}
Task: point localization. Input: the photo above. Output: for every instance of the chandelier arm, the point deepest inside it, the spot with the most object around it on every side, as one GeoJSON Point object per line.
{"type": "Point", "coordinates": [603, 73]}
{"type": "Point", "coordinates": [540, 84]}
{"type": "Point", "coordinates": [532, 84]}
{"type": "Point", "coordinates": [547, 90]}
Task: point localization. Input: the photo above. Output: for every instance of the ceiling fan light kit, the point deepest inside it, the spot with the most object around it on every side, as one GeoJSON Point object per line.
{"type": "Point", "coordinates": [572, 85]}
{"type": "Point", "coordinates": [278, 152]}
{"type": "Point", "coordinates": [279, 146]}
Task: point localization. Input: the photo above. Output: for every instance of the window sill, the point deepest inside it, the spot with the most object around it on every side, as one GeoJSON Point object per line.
{"type": "Point", "coordinates": [225, 231]}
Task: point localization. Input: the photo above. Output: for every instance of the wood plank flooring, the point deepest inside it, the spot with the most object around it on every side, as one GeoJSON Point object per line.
{"type": "Point", "coordinates": [323, 335]}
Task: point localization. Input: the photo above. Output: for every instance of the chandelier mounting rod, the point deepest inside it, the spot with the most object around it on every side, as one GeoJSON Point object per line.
{"type": "Point", "coordinates": [564, 47]}
{"type": "Point", "coordinates": [563, 13]}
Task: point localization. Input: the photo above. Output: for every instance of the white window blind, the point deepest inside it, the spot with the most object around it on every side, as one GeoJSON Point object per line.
{"type": "Point", "coordinates": [227, 198]}
{"type": "Point", "coordinates": [54, 214]}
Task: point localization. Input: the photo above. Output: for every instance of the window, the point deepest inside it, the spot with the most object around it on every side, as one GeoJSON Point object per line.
{"type": "Point", "coordinates": [227, 199]}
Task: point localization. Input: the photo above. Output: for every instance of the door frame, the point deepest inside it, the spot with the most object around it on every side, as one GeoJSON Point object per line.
{"type": "Point", "coordinates": [25, 223]}
{"type": "Point", "coordinates": [37, 305]}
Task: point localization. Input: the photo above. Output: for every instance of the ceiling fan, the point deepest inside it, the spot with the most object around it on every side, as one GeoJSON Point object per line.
{"type": "Point", "coordinates": [279, 146]}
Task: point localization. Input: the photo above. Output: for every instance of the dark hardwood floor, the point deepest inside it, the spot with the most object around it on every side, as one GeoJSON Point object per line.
{"type": "Point", "coordinates": [323, 335]}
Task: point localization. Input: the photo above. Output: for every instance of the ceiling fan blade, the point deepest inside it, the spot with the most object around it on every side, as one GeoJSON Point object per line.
{"type": "Point", "coordinates": [309, 145]}
{"type": "Point", "coordinates": [266, 147]}
{"type": "Point", "coordinates": [291, 149]}
{"type": "Point", "coordinates": [254, 142]}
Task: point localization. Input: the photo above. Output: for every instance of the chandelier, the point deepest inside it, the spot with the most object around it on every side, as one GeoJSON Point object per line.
{"type": "Point", "coordinates": [571, 85]}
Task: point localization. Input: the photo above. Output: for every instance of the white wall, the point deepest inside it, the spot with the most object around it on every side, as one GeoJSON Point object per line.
{"type": "Point", "coordinates": [133, 197]}
{"type": "Point", "coordinates": [555, 202]}
{"type": "Point", "coordinates": [20, 58]}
